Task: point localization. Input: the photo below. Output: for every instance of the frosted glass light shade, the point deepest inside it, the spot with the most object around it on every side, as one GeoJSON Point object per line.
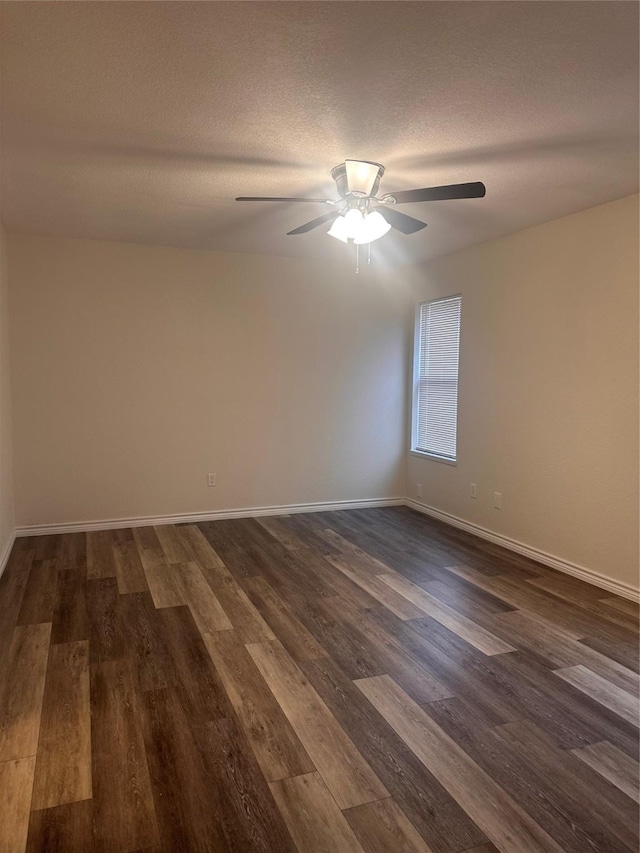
{"type": "Point", "coordinates": [361, 229]}
{"type": "Point", "coordinates": [339, 229]}
{"type": "Point", "coordinates": [353, 222]}
{"type": "Point", "coordinates": [361, 176]}
{"type": "Point", "coordinates": [372, 228]}
{"type": "Point", "coordinates": [347, 226]}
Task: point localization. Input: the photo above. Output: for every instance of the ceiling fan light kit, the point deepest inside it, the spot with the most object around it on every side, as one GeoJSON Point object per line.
{"type": "Point", "coordinates": [360, 215]}
{"type": "Point", "coordinates": [360, 227]}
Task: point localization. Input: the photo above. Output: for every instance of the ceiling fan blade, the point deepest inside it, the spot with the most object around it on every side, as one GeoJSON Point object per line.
{"type": "Point", "coordinates": [308, 226]}
{"type": "Point", "coordinates": [473, 190]}
{"type": "Point", "coordinates": [268, 198]}
{"type": "Point", "coordinates": [400, 221]}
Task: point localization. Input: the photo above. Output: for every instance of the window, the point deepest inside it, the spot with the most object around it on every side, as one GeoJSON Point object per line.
{"type": "Point", "coordinates": [435, 383]}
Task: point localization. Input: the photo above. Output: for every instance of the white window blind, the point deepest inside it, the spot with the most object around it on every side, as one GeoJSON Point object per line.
{"type": "Point", "coordinates": [436, 391]}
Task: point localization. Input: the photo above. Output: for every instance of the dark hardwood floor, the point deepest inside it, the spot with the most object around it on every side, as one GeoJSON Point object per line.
{"type": "Point", "coordinates": [367, 680]}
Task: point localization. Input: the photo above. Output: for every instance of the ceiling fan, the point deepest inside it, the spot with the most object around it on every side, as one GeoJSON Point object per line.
{"type": "Point", "coordinates": [361, 216]}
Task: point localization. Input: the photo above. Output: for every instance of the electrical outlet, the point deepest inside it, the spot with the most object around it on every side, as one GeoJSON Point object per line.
{"type": "Point", "coordinates": [474, 490]}
{"type": "Point", "coordinates": [497, 500]}
{"type": "Point", "coordinates": [419, 489]}
{"type": "Point", "coordinates": [211, 479]}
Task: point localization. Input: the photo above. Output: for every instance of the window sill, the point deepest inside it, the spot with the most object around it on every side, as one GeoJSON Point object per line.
{"type": "Point", "coordinates": [421, 454]}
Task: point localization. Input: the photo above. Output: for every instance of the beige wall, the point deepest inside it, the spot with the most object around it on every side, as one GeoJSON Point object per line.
{"type": "Point", "coordinates": [548, 406]}
{"type": "Point", "coordinates": [7, 521]}
{"type": "Point", "coordinates": [137, 370]}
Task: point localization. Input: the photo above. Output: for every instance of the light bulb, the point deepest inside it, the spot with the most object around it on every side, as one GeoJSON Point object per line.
{"type": "Point", "coordinates": [372, 228]}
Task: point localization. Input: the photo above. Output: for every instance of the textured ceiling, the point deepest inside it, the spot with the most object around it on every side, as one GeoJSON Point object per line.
{"type": "Point", "coordinates": [141, 121]}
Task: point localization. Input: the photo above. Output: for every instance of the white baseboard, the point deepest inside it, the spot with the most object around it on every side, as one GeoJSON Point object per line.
{"type": "Point", "coordinates": [611, 585]}
{"type": "Point", "coordinates": [4, 557]}
{"type": "Point", "coordinates": [193, 517]}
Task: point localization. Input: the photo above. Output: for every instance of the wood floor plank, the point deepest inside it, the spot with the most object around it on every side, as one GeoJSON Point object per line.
{"type": "Point", "coordinates": [47, 547]}
{"type": "Point", "coordinates": [571, 717]}
{"type": "Point", "coordinates": [388, 546]}
{"type": "Point", "coordinates": [196, 681]}
{"type": "Point", "coordinates": [73, 552]}
{"type": "Point", "coordinates": [63, 766]}
{"type": "Point", "coordinates": [100, 560]}
{"type": "Point", "coordinates": [489, 805]}
{"type": "Point", "coordinates": [383, 826]}
{"type": "Point", "coordinates": [466, 598]}
{"type": "Point", "coordinates": [608, 619]}
{"type": "Point", "coordinates": [199, 547]}
{"type": "Point", "coordinates": [164, 586]}
{"type": "Point", "coordinates": [315, 822]}
{"type": "Point", "coordinates": [565, 586]}
{"type": "Point", "coordinates": [246, 792]}
{"type": "Point", "coordinates": [612, 764]}
{"type": "Point", "coordinates": [16, 783]}
{"type": "Point", "coordinates": [151, 661]}
{"type": "Point", "coordinates": [434, 813]}
{"type": "Point", "coordinates": [172, 544]}
{"type": "Point", "coordinates": [198, 595]}
{"type": "Point", "coordinates": [474, 634]}
{"type": "Point", "coordinates": [293, 635]}
{"type": "Point", "coordinates": [348, 777]}
{"type": "Point", "coordinates": [276, 746]}
{"type": "Point", "coordinates": [342, 640]}
{"type": "Point", "coordinates": [22, 691]}
{"type": "Point", "coordinates": [586, 620]}
{"type": "Point", "coordinates": [123, 808]}
{"type": "Point", "coordinates": [463, 670]}
{"type": "Point", "coordinates": [208, 794]}
{"type": "Point", "coordinates": [586, 597]}
{"type": "Point", "coordinates": [363, 560]}
{"type": "Point", "coordinates": [528, 631]}
{"type": "Point", "coordinates": [628, 656]}
{"type": "Point", "coordinates": [70, 617]}
{"type": "Point", "coordinates": [622, 604]}
{"type": "Point", "coordinates": [279, 531]}
{"type": "Point", "coordinates": [106, 640]}
{"type": "Point", "coordinates": [578, 809]}
{"type": "Point", "coordinates": [129, 570]}
{"type": "Point", "coordinates": [62, 829]}
{"type": "Point", "coordinates": [552, 610]}
{"type": "Point", "coordinates": [39, 596]}
{"type": "Point", "coordinates": [187, 796]}
{"type": "Point", "coordinates": [594, 685]}
{"type": "Point", "coordinates": [244, 616]}
{"type": "Point", "coordinates": [376, 587]}
{"type": "Point", "coordinates": [596, 816]}
{"type": "Point", "coordinates": [337, 582]}
{"type": "Point", "coordinates": [303, 574]}
{"type": "Point", "coordinates": [13, 583]}
{"type": "Point", "coordinates": [384, 654]}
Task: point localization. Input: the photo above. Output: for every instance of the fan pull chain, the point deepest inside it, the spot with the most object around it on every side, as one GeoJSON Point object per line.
{"type": "Point", "coordinates": [357, 259]}
{"type": "Point", "coordinates": [368, 254]}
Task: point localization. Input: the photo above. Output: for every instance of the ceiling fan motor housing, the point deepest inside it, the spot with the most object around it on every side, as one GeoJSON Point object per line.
{"type": "Point", "coordinates": [339, 175]}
